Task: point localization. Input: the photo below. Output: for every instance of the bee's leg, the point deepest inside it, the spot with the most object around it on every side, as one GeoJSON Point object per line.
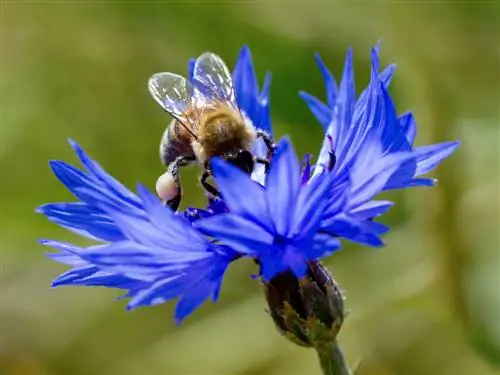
{"type": "Point", "coordinates": [175, 202]}
{"type": "Point", "coordinates": [262, 161]}
{"type": "Point", "coordinates": [267, 140]}
{"type": "Point", "coordinates": [206, 185]}
{"type": "Point", "coordinates": [173, 170]}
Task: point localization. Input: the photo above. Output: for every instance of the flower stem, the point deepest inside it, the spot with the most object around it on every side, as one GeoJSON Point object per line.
{"type": "Point", "coordinates": [332, 360]}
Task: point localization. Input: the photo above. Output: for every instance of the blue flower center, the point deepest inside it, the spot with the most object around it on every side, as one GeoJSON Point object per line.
{"type": "Point", "coordinates": [280, 241]}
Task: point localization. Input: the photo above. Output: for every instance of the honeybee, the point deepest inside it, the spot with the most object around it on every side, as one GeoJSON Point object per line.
{"type": "Point", "coordinates": [207, 122]}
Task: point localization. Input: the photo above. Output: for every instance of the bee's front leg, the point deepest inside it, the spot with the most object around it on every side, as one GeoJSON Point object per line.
{"type": "Point", "coordinates": [206, 185]}
{"type": "Point", "coordinates": [262, 161]}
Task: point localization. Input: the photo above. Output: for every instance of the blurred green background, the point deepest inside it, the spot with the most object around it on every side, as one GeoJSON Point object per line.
{"type": "Point", "coordinates": [427, 303]}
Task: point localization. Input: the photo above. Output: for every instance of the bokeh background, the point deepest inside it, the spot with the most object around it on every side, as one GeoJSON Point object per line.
{"type": "Point", "coordinates": [427, 303]}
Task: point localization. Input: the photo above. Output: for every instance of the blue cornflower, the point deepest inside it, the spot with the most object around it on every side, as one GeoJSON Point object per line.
{"type": "Point", "coordinates": [371, 149]}
{"type": "Point", "coordinates": [282, 218]}
{"type": "Point", "coordinates": [276, 224]}
{"type": "Point", "coordinates": [145, 248]}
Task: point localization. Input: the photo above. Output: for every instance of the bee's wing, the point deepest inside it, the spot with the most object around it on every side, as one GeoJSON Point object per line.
{"type": "Point", "coordinates": [212, 79]}
{"type": "Point", "coordinates": [173, 93]}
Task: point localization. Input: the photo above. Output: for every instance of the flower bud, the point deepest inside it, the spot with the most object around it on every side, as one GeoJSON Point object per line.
{"type": "Point", "coordinates": [308, 311]}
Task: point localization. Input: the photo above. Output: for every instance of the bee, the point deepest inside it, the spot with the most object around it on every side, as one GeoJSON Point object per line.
{"type": "Point", "coordinates": [206, 122]}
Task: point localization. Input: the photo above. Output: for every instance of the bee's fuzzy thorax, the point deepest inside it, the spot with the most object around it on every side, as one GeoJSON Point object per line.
{"type": "Point", "coordinates": [222, 131]}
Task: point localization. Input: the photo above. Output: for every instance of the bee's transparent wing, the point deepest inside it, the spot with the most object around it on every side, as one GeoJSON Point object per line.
{"type": "Point", "coordinates": [212, 79]}
{"type": "Point", "coordinates": [173, 93]}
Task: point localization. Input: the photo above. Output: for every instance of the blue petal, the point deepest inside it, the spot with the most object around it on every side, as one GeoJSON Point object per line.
{"type": "Point", "coordinates": [352, 230]}
{"type": "Point", "coordinates": [174, 230]}
{"type": "Point", "coordinates": [173, 236]}
{"type": "Point", "coordinates": [128, 255]}
{"type": "Point", "coordinates": [241, 195]}
{"type": "Point", "coordinates": [373, 110]}
{"type": "Point", "coordinates": [340, 132]}
{"type": "Point", "coordinates": [393, 135]}
{"type": "Point", "coordinates": [110, 280]}
{"type": "Point", "coordinates": [192, 286]}
{"type": "Point", "coordinates": [282, 186]}
{"type": "Point", "coordinates": [68, 254]}
{"type": "Point", "coordinates": [368, 239]}
{"type": "Point", "coordinates": [243, 236]}
{"type": "Point", "coordinates": [311, 206]}
{"type": "Point", "coordinates": [375, 60]}
{"type": "Point", "coordinates": [320, 110]}
{"type": "Point", "coordinates": [255, 104]}
{"type": "Point", "coordinates": [197, 291]}
{"type": "Point", "coordinates": [323, 244]}
{"type": "Point", "coordinates": [245, 84]}
{"type": "Point", "coordinates": [99, 198]}
{"type": "Point", "coordinates": [370, 226]}
{"type": "Point", "coordinates": [386, 76]}
{"type": "Point", "coordinates": [191, 64]}
{"type": "Point", "coordinates": [367, 118]}
{"type": "Point", "coordinates": [100, 174]}
{"type": "Point", "coordinates": [428, 157]}
{"type": "Point", "coordinates": [193, 300]}
{"type": "Point", "coordinates": [371, 209]}
{"type": "Point", "coordinates": [83, 220]}
{"type": "Point", "coordinates": [344, 107]}
{"type": "Point", "coordinates": [403, 175]}
{"type": "Point", "coordinates": [429, 182]}
{"type": "Point", "coordinates": [330, 83]}
{"type": "Point", "coordinates": [264, 122]}
{"type": "Point", "coordinates": [75, 274]}
{"type": "Point", "coordinates": [338, 196]}
{"type": "Point", "coordinates": [158, 292]}
{"type": "Point", "coordinates": [70, 176]}
{"type": "Point", "coordinates": [371, 172]}
{"type": "Point", "coordinates": [409, 126]}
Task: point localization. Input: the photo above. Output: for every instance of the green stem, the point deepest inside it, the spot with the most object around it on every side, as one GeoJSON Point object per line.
{"type": "Point", "coordinates": [332, 360]}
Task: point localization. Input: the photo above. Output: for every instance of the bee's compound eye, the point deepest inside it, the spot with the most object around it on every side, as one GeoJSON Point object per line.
{"type": "Point", "coordinates": [166, 187]}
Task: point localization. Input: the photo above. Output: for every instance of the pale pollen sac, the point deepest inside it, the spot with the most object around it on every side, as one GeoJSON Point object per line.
{"type": "Point", "coordinates": [166, 187]}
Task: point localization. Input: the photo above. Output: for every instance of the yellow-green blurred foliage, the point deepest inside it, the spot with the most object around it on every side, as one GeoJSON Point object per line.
{"type": "Point", "coordinates": [427, 303]}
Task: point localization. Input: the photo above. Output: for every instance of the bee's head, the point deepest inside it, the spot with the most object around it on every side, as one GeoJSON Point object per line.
{"type": "Point", "coordinates": [243, 159]}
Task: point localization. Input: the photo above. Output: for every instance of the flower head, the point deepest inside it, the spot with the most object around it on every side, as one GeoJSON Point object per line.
{"type": "Point", "coordinates": [276, 224]}
{"type": "Point", "coordinates": [372, 148]}
{"type": "Point", "coordinates": [285, 217]}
